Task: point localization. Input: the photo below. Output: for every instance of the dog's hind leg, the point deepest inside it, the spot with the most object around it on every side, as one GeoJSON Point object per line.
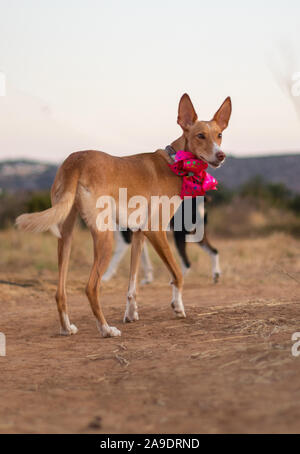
{"type": "Point", "coordinates": [214, 255]}
{"type": "Point", "coordinates": [102, 253]}
{"type": "Point", "coordinates": [121, 247]}
{"type": "Point", "coordinates": [64, 249]}
{"type": "Point", "coordinates": [131, 313]}
{"type": "Point", "coordinates": [160, 243]}
{"type": "Point", "coordinates": [147, 266]}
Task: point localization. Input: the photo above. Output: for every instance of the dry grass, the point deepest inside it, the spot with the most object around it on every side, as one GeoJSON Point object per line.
{"type": "Point", "coordinates": [243, 218]}
{"type": "Point", "coordinates": [226, 368]}
{"type": "Point", "coordinates": [30, 260]}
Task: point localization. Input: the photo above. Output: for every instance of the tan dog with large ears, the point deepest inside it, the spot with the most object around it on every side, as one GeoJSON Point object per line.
{"type": "Point", "coordinates": [85, 176]}
{"type": "Point", "coordinates": [203, 138]}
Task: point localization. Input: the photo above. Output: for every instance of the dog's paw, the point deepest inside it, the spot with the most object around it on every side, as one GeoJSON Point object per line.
{"type": "Point", "coordinates": [180, 314]}
{"type": "Point", "coordinates": [68, 332]}
{"type": "Point", "coordinates": [131, 312]}
{"type": "Point", "coordinates": [178, 310]}
{"type": "Point", "coordinates": [109, 331]}
{"type": "Point", "coordinates": [131, 316]}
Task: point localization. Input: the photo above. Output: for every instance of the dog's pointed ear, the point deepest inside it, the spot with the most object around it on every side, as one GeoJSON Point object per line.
{"type": "Point", "coordinates": [186, 112]}
{"type": "Point", "coordinates": [222, 116]}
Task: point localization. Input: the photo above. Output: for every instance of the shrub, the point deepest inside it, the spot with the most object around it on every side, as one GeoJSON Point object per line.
{"type": "Point", "coordinates": [275, 194]}
{"type": "Point", "coordinates": [10, 207]}
{"type": "Point", "coordinates": [38, 201]}
{"type": "Point", "coordinates": [221, 196]}
{"type": "Point", "coordinates": [295, 204]}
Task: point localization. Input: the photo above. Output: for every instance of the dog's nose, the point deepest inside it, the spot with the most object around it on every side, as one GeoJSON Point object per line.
{"type": "Point", "coordinates": [221, 156]}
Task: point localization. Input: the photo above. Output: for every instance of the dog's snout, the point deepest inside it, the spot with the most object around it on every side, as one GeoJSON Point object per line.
{"type": "Point", "coordinates": [220, 156]}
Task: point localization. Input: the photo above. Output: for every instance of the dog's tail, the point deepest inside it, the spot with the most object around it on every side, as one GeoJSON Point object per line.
{"type": "Point", "coordinates": [50, 218]}
{"type": "Point", "coordinates": [47, 219]}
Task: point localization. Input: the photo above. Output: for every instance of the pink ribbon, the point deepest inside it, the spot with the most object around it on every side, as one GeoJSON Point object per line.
{"type": "Point", "coordinates": [196, 181]}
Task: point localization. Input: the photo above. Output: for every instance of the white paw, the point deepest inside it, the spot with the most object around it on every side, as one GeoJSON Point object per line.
{"type": "Point", "coordinates": [74, 329]}
{"type": "Point", "coordinates": [177, 303]}
{"type": "Point", "coordinates": [179, 310]}
{"type": "Point", "coordinates": [109, 331]}
{"type": "Point", "coordinates": [180, 314]}
{"type": "Point", "coordinates": [130, 316]}
{"type": "Point", "coordinates": [68, 332]}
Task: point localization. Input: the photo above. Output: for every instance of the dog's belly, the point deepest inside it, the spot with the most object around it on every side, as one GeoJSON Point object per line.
{"type": "Point", "coordinates": [141, 213]}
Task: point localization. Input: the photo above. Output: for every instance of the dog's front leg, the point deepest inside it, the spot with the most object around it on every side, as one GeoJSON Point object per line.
{"type": "Point", "coordinates": [160, 243]}
{"type": "Point", "coordinates": [131, 313]}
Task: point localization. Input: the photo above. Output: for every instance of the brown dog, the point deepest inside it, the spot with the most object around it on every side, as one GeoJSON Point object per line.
{"type": "Point", "coordinates": [87, 175]}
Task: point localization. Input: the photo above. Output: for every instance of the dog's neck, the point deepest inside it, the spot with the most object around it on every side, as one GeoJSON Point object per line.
{"type": "Point", "coordinates": [180, 144]}
{"type": "Point", "coordinates": [176, 145]}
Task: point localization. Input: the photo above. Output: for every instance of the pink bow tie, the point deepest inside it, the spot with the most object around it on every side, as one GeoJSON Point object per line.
{"type": "Point", "coordinates": [196, 181]}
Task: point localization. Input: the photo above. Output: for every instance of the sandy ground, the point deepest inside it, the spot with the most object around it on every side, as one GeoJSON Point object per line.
{"type": "Point", "coordinates": [227, 367]}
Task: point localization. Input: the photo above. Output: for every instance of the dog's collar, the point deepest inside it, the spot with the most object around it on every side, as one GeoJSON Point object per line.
{"type": "Point", "coordinates": [171, 152]}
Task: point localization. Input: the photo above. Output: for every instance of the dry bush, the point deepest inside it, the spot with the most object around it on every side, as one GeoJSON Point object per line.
{"type": "Point", "coordinates": [245, 217]}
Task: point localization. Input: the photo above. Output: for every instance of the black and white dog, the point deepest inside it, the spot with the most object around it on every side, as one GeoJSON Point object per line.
{"type": "Point", "coordinates": [123, 240]}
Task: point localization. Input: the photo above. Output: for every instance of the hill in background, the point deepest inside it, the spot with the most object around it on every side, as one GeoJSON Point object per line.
{"type": "Point", "coordinates": [272, 169]}
{"type": "Point", "coordinates": [26, 175]}
{"type": "Point", "coordinates": [23, 175]}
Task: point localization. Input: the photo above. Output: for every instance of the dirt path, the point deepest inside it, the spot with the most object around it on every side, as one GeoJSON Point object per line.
{"type": "Point", "coordinates": [227, 368]}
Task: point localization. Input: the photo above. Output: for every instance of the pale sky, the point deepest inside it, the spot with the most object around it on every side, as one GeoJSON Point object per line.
{"type": "Point", "coordinates": [108, 74]}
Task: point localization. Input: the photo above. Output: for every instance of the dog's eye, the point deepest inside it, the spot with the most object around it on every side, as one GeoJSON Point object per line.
{"type": "Point", "coordinates": [201, 136]}
{"type": "Point", "coordinates": [220, 135]}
